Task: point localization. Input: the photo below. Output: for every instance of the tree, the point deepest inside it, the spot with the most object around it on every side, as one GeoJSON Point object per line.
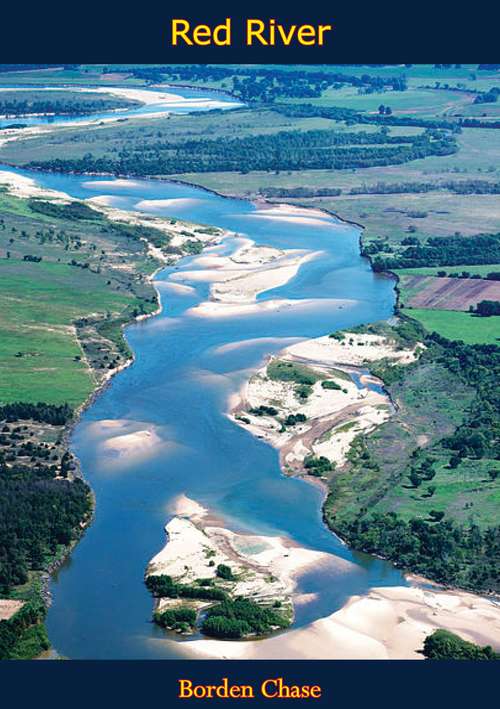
{"type": "Point", "coordinates": [443, 645]}
{"type": "Point", "coordinates": [225, 572]}
{"type": "Point", "coordinates": [436, 516]}
{"type": "Point", "coordinates": [415, 479]}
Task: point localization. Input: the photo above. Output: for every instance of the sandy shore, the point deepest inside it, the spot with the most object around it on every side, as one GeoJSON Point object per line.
{"type": "Point", "coordinates": [291, 213]}
{"type": "Point", "coordinates": [26, 187]}
{"type": "Point", "coordinates": [239, 278]}
{"type": "Point", "coordinates": [387, 623]}
{"type": "Point", "coordinates": [355, 348]}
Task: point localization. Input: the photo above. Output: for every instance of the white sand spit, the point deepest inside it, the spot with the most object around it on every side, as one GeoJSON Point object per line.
{"type": "Point", "coordinates": [387, 623]}
{"type": "Point", "coordinates": [354, 348]}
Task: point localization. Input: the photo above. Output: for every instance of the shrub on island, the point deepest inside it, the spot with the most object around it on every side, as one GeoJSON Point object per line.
{"type": "Point", "coordinates": [176, 618]}
{"type": "Point", "coordinates": [317, 466]}
{"type": "Point", "coordinates": [293, 419]}
{"type": "Point", "coordinates": [241, 617]}
{"type": "Point", "coordinates": [330, 384]}
{"type": "Point", "coordinates": [263, 410]}
{"type": "Point", "coordinates": [164, 586]}
{"type": "Point", "coordinates": [224, 572]}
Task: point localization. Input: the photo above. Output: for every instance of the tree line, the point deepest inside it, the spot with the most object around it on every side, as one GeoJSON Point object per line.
{"type": "Point", "coordinates": [55, 414]}
{"type": "Point", "coordinates": [62, 107]}
{"type": "Point", "coordinates": [440, 251]}
{"type": "Point", "coordinates": [286, 150]}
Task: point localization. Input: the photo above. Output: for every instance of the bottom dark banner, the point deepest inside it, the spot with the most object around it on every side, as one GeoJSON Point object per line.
{"type": "Point", "coordinates": [312, 683]}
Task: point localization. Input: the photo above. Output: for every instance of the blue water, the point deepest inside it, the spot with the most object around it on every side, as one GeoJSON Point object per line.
{"type": "Point", "coordinates": [177, 389]}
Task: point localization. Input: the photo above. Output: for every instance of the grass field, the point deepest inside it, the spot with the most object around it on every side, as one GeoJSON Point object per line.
{"type": "Point", "coordinates": [418, 102]}
{"type": "Point", "coordinates": [459, 326]}
{"type": "Point", "coordinates": [481, 270]}
{"type": "Point", "coordinates": [41, 357]}
{"type": "Point", "coordinates": [464, 493]}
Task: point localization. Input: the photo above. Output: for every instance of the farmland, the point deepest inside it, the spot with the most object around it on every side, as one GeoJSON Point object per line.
{"type": "Point", "coordinates": [445, 293]}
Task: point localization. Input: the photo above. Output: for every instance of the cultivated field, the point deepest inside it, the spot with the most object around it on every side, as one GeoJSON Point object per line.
{"type": "Point", "coordinates": [446, 293]}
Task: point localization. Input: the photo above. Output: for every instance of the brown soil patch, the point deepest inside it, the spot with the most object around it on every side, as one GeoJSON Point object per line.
{"type": "Point", "coordinates": [9, 608]}
{"type": "Point", "coordinates": [449, 293]}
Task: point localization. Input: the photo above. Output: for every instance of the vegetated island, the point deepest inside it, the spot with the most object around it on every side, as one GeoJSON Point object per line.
{"type": "Point", "coordinates": [228, 585]}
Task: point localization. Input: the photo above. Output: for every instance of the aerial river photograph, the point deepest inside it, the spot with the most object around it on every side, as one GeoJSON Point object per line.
{"type": "Point", "coordinates": [249, 358]}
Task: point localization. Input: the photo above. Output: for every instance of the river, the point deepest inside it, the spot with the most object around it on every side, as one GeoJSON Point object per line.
{"type": "Point", "coordinates": [177, 389]}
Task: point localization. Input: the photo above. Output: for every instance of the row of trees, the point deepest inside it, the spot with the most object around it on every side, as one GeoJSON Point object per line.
{"type": "Point", "coordinates": [454, 186]}
{"type": "Point", "coordinates": [55, 414]}
{"type": "Point", "coordinates": [65, 106]}
{"type": "Point", "coordinates": [286, 150]}
{"type": "Point", "coordinates": [266, 84]}
{"type": "Point", "coordinates": [441, 251]}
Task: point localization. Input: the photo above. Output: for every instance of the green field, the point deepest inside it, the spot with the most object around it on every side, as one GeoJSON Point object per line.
{"type": "Point", "coordinates": [38, 344]}
{"type": "Point", "coordinates": [86, 270]}
{"type": "Point", "coordinates": [459, 326]}
{"type": "Point", "coordinates": [455, 490]}
{"type": "Point", "coordinates": [421, 102]}
{"type": "Point", "coordinates": [480, 270]}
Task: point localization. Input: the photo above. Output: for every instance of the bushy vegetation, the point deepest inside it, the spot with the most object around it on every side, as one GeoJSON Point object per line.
{"type": "Point", "coordinates": [440, 251]}
{"type": "Point", "coordinates": [444, 645]}
{"type": "Point", "coordinates": [263, 410]}
{"type": "Point", "coordinates": [23, 636]}
{"type": "Point", "coordinates": [163, 586]}
{"type": "Point", "coordinates": [444, 551]}
{"type": "Point", "coordinates": [241, 617]}
{"type": "Point", "coordinates": [72, 210]}
{"type": "Point", "coordinates": [182, 619]}
{"type": "Point", "coordinates": [330, 384]}
{"type": "Point", "coordinates": [224, 572]}
{"type": "Point", "coordinates": [46, 413]}
{"type": "Point", "coordinates": [487, 308]}
{"type": "Point", "coordinates": [294, 419]}
{"type": "Point", "coordinates": [318, 466]}
{"type": "Point", "coordinates": [286, 371]}
{"type": "Point", "coordinates": [37, 515]}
